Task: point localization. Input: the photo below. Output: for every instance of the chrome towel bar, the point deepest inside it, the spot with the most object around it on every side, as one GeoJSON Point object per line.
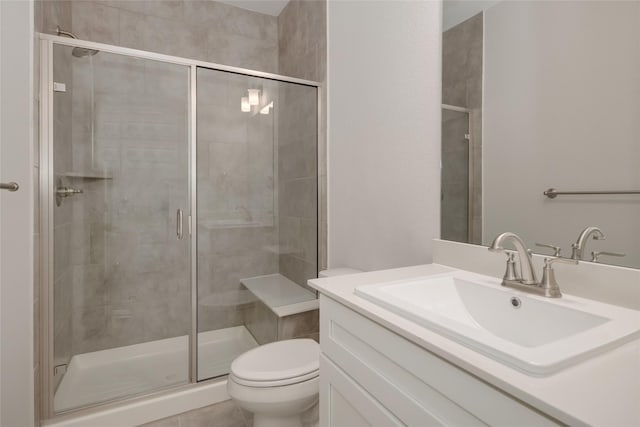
{"type": "Point", "coordinates": [552, 193]}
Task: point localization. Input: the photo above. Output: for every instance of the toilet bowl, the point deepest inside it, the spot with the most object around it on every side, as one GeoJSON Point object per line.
{"type": "Point", "coordinates": [277, 382]}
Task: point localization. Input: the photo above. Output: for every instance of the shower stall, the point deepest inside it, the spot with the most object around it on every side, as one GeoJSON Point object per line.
{"type": "Point", "coordinates": [460, 213]}
{"type": "Point", "coordinates": [175, 195]}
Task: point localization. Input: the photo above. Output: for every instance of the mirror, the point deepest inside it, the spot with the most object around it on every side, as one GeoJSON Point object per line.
{"type": "Point", "coordinates": [542, 95]}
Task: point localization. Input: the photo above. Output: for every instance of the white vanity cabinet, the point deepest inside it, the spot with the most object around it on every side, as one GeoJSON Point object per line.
{"type": "Point", "coordinates": [372, 376]}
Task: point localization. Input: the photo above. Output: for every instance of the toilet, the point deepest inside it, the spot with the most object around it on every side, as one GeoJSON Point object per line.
{"type": "Point", "coordinates": [276, 381]}
{"type": "Point", "coordinates": [279, 382]}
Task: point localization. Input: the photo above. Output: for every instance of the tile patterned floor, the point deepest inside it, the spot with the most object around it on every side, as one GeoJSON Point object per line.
{"type": "Point", "coordinates": [223, 414]}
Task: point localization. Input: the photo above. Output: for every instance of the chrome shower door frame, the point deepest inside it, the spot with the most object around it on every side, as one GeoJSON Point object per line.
{"type": "Point", "coordinates": [47, 200]}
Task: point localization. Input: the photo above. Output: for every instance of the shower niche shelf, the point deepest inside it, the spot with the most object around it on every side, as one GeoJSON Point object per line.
{"type": "Point", "coordinates": [85, 175]}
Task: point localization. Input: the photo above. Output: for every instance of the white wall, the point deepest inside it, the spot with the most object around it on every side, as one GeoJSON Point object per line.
{"type": "Point", "coordinates": [562, 110]}
{"type": "Point", "coordinates": [455, 12]}
{"type": "Point", "coordinates": [384, 91]}
{"type": "Point", "coordinates": [16, 215]}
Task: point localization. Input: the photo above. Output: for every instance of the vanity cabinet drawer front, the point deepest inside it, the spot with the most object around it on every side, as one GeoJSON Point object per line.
{"type": "Point", "coordinates": [412, 383]}
{"type": "Point", "coordinates": [345, 404]}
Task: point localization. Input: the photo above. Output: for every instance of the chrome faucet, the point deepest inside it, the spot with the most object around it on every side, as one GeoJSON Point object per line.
{"type": "Point", "coordinates": [526, 263]}
{"type": "Point", "coordinates": [527, 282]}
{"type": "Point", "coordinates": [578, 249]}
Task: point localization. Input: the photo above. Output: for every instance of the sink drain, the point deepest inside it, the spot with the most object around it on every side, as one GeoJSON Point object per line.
{"type": "Point", "coordinates": [515, 302]}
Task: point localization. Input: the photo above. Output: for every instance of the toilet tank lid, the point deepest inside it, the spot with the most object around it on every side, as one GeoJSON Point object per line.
{"type": "Point", "coordinates": [332, 272]}
{"type": "Point", "coordinates": [278, 360]}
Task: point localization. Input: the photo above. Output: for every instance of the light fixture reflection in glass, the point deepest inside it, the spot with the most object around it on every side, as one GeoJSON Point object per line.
{"type": "Point", "coordinates": [244, 105]}
{"type": "Point", "coordinates": [254, 96]}
{"type": "Point", "coordinates": [266, 108]}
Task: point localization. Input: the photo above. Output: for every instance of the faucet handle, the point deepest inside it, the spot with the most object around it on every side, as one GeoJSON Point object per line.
{"type": "Point", "coordinates": [556, 249]}
{"type": "Point", "coordinates": [549, 284]}
{"type": "Point", "coordinates": [511, 273]}
{"type": "Point", "coordinates": [550, 260]}
{"type": "Point", "coordinates": [596, 254]}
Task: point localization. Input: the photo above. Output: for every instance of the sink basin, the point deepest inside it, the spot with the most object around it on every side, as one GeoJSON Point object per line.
{"type": "Point", "coordinates": [536, 335]}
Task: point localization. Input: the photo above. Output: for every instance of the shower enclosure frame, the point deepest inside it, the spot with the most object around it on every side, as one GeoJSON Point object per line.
{"type": "Point", "coordinates": [470, 165]}
{"type": "Point", "coordinates": [47, 203]}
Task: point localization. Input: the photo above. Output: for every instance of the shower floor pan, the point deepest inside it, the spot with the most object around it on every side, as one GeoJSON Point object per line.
{"type": "Point", "coordinates": [121, 372]}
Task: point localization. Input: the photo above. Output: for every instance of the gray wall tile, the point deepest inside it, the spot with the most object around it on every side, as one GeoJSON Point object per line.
{"type": "Point", "coordinates": [116, 235]}
{"type": "Point", "coordinates": [302, 53]}
{"type": "Point", "coordinates": [96, 22]}
{"type": "Point", "coordinates": [297, 270]}
{"type": "Point", "coordinates": [462, 48]}
{"type": "Point", "coordinates": [199, 29]}
{"type": "Point", "coordinates": [117, 232]}
{"type": "Point", "coordinates": [299, 325]}
{"type": "Point", "coordinates": [56, 13]}
{"type": "Point", "coordinates": [262, 323]}
{"type": "Point", "coordinates": [236, 183]}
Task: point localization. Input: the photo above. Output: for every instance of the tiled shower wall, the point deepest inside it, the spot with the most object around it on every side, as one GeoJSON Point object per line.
{"type": "Point", "coordinates": [103, 310]}
{"type": "Point", "coordinates": [266, 326]}
{"type": "Point", "coordinates": [297, 184]}
{"type": "Point", "coordinates": [454, 204]}
{"type": "Point", "coordinates": [130, 274]}
{"type": "Point", "coordinates": [462, 48]}
{"type": "Point", "coordinates": [105, 303]}
{"type": "Point", "coordinates": [292, 44]}
{"type": "Point", "coordinates": [237, 215]}
{"type": "Point", "coordinates": [302, 53]}
{"type": "Point", "coordinates": [198, 29]}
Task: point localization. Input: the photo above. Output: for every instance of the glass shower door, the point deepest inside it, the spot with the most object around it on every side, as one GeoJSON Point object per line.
{"type": "Point", "coordinates": [257, 213]}
{"type": "Point", "coordinates": [454, 220]}
{"type": "Point", "coordinates": [236, 209]}
{"type": "Point", "coordinates": [121, 279]}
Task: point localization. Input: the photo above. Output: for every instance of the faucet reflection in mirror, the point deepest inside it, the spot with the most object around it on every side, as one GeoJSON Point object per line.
{"type": "Point", "coordinates": [553, 87]}
{"type": "Point", "coordinates": [578, 248]}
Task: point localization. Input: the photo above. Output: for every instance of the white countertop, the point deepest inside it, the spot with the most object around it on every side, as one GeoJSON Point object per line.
{"type": "Point", "coordinates": [602, 391]}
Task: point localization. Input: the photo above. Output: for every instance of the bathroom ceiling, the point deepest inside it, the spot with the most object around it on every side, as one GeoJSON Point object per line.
{"type": "Point", "coordinates": [268, 7]}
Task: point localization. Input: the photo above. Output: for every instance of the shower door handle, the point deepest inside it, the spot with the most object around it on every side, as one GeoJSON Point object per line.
{"type": "Point", "coordinates": [179, 224]}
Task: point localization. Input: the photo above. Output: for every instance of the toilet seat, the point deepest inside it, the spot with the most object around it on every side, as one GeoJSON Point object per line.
{"type": "Point", "coordinates": [277, 364]}
{"type": "Point", "coordinates": [274, 383]}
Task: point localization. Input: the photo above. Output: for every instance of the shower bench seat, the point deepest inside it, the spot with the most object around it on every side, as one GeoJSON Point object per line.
{"type": "Point", "coordinates": [282, 310]}
{"type": "Point", "coordinates": [281, 295]}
